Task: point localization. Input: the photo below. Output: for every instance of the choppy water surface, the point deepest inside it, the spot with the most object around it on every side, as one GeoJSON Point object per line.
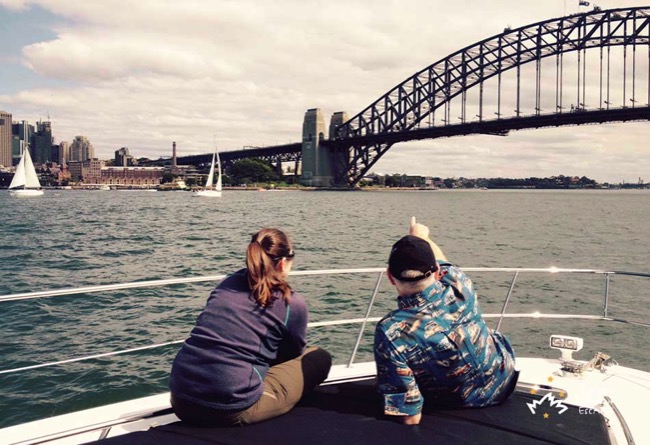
{"type": "Point", "coordinates": [74, 238]}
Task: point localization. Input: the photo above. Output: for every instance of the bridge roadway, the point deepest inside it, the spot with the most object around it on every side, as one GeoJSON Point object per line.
{"type": "Point", "coordinates": [501, 127]}
{"type": "Point", "coordinates": [283, 153]}
{"type": "Point", "coordinates": [497, 127]}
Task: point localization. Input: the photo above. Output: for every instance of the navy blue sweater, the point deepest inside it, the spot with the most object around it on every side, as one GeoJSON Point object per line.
{"type": "Point", "coordinates": [223, 363]}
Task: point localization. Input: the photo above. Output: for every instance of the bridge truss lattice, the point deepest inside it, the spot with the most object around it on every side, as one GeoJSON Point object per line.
{"type": "Point", "coordinates": [421, 106]}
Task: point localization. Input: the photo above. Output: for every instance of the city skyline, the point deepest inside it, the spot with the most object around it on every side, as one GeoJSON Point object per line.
{"type": "Point", "coordinates": [246, 73]}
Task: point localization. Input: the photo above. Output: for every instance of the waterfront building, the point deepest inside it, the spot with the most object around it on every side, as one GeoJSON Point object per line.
{"type": "Point", "coordinates": [88, 171]}
{"type": "Point", "coordinates": [74, 167]}
{"type": "Point", "coordinates": [81, 149]}
{"type": "Point", "coordinates": [91, 170]}
{"type": "Point", "coordinates": [132, 176]}
{"type": "Point", "coordinates": [41, 147]}
{"type": "Point", "coordinates": [6, 139]}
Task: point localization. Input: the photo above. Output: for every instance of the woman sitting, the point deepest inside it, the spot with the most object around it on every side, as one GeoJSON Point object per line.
{"type": "Point", "coordinates": [245, 360]}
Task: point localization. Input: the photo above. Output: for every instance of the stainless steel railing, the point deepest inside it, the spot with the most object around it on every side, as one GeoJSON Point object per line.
{"type": "Point", "coordinates": [363, 321]}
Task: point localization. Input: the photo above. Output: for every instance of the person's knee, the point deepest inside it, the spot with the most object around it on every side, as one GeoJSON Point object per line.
{"type": "Point", "coordinates": [321, 357]}
{"type": "Point", "coordinates": [316, 364]}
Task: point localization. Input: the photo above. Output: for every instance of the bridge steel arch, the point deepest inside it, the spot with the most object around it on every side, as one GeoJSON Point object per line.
{"type": "Point", "coordinates": [398, 115]}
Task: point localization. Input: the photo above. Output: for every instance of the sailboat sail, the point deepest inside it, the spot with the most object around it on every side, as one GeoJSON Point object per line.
{"type": "Point", "coordinates": [210, 190]}
{"type": "Point", "coordinates": [208, 183]}
{"type": "Point", "coordinates": [31, 178]}
{"type": "Point", "coordinates": [19, 177]}
{"type": "Point", "coordinates": [25, 175]}
{"type": "Point", "coordinates": [218, 186]}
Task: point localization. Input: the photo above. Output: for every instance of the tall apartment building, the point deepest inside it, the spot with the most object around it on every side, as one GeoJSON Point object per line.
{"type": "Point", "coordinates": [64, 153]}
{"type": "Point", "coordinates": [23, 132]}
{"type": "Point", "coordinates": [42, 143]}
{"type": "Point", "coordinates": [81, 149]}
{"type": "Point", "coordinates": [6, 139]}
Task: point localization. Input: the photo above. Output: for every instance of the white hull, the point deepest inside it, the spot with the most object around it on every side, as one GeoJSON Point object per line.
{"type": "Point", "coordinates": [208, 193]}
{"type": "Point", "coordinates": [26, 192]}
{"type": "Point", "coordinates": [627, 388]}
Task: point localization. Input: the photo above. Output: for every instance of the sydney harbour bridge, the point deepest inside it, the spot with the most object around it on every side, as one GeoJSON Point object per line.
{"type": "Point", "coordinates": [587, 68]}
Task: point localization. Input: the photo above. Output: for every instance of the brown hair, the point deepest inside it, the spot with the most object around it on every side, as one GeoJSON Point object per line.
{"type": "Point", "coordinates": [266, 249]}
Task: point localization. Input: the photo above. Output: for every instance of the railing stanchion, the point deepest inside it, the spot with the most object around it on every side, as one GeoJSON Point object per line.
{"type": "Point", "coordinates": [606, 306]}
{"type": "Point", "coordinates": [363, 325]}
{"type": "Point", "coordinates": [505, 303]}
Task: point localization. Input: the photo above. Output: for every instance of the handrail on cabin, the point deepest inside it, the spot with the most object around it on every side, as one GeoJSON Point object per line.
{"type": "Point", "coordinates": [362, 321]}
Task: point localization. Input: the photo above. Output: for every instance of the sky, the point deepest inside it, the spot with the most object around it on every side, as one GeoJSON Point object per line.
{"type": "Point", "coordinates": [243, 72]}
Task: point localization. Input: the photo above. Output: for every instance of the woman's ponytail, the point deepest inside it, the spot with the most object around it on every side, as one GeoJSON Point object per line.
{"type": "Point", "coordinates": [267, 247]}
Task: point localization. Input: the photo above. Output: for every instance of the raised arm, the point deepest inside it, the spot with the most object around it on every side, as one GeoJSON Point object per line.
{"type": "Point", "coordinates": [422, 231]}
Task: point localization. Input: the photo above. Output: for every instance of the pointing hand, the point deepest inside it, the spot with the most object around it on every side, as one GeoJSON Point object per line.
{"type": "Point", "coordinates": [419, 230]}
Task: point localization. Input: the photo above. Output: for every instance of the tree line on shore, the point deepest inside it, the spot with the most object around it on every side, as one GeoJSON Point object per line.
{"type": "Point", "coordinates": [247, 171]}
{"type": "Point", "coordinates": [554, 182]}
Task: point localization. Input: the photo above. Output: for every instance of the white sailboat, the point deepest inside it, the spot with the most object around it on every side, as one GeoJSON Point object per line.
{"type": "Point", "coordinates": [212, 190]}
{"type": "Point", "coordinates": [25, 181]}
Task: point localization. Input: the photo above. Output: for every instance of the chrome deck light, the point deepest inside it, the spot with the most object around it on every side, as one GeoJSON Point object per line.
{"type": "Point", "coordinates": [567, 345]}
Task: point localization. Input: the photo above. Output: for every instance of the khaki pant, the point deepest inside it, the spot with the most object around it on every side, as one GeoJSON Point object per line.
{"type": "Point", "coordinates": [284, 386]}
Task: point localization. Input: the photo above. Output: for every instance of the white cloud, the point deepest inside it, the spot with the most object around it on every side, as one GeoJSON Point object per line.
{"type": "Point", "coordinates": [143, 74]}
{"type": "Point", "coordinates": [14, 5]}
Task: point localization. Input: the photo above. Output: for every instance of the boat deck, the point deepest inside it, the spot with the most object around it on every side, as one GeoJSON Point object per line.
{"type": "Point", "coordinates": [350, 413]}
{"type": "Point", "coordinates": [604, 401]}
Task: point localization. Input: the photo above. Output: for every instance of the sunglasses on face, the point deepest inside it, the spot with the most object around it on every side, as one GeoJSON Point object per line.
{"type": "Point", "coordinates": [289, 256]}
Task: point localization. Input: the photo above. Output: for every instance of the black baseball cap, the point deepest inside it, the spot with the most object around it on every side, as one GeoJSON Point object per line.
{"type": "Point", "coordinates": [410, 255]}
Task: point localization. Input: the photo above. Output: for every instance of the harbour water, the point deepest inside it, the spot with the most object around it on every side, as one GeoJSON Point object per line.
{"type": "Point", "coordinates": [80, 238]}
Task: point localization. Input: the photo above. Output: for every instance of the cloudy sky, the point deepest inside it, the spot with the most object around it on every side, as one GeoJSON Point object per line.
{"type": "Point", "coordinates": [143, 74]}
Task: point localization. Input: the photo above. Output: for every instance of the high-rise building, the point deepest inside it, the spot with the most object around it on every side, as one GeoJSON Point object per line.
{"type": "Point", "coordinates": [6, 139]}
{"type": "Point", "coordinates": [56, 153]}
{"type": "Point", "coordinates": [81, 149]}
{"type": "Point", "coordinates": [123, 158]}
{"type": "Point", "coordinates": [23, 133]}
{"type": "Point", "coordinates": [41, 149]}
{"type": "Point", "coordinates": [64, 153]}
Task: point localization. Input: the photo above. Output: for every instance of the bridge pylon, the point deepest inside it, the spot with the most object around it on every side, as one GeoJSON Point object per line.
{"type": "Point", "coordinates": [315, 164]}
{"type": "Point", "coordinates": [321, 164]}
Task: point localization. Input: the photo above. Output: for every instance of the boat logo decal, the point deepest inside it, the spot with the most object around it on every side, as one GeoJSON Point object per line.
{"type": "Point", "coordinates": [550, 399]}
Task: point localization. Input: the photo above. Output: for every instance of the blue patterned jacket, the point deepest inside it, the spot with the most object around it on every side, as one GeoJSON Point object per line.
{"type": "Point", "coordinates": [437, 345]}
